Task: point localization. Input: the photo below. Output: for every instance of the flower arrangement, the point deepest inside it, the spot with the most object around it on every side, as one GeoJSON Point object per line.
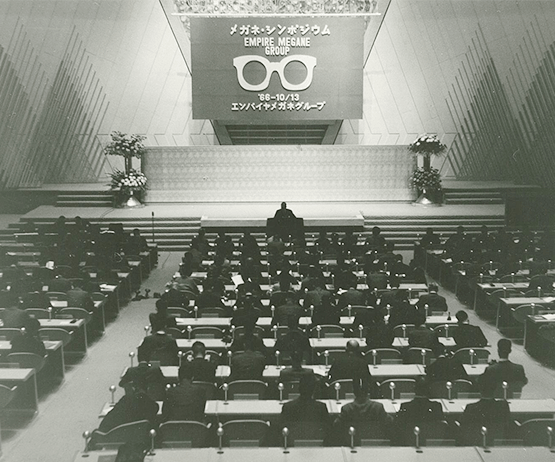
{"type": "Point", "coordinates": [427, 145]}
{"type": "Point", "coordinates": [125, 145]}
{"type": "Point", "coordinates": [426, 178]}
{"type": "Point", "coordinates": [134, 181]}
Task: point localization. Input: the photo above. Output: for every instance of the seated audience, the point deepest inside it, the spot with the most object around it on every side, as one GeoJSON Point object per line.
{"type": "Point", "coordinates": [434, 301]}
{"type": "Point", "coordinates": [248, 364]}
{"type": "Point", "coordinates": [158, 346]}
{"type": "Point", "coordinates": [352, 296]}
{"type": "Point", "coordinates": [326, 312]}
{"type": "Point", "coordinates": [503, 371]}
{"type": "Point", "coordinates": [294, 340]}
{"type": "Point", "coordinates": [146, 377]}
{"type": "Point", "coordinates": [80, 298]}
{"type": "Point", "coordinates": [290, 309]}
{"type": "Point", "coordinates": [467, 336]}
{"type": "Point", "coordinates": [248, 335]}
{"type": "Point", "coordinates": [445, 367]}
{"type": "Point", "coordinates": [28, 341]}
{"type": "Point", "coordinates": [313, 297]}
{"type": "Point", "coordinates": [296, 372]}
{"type": "Point", "coordinates": [161, 317]}
{"type": "Point", "coordinates": [13, 317]}
{"type": "Point", "coordinates": [186, 401]}
{"type": "Point", "coordinates": [421, 336]}
{"type": "Point", "coordinates": [203, 367]}
{"type": "Point", "coordinates": [541, 279]}
{"type": "Point", "coordinates": [351, 364]}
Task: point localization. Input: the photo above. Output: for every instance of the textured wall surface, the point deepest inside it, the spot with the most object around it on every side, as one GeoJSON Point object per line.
{"type": "Point", "coordinates": [276, 173]}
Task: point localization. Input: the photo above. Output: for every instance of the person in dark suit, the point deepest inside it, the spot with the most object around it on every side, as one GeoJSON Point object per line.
{"type": "Point", "coordinates": [294, 340]}
{"type": "Point", "coordinates": [352, 364]}
{"type": "Point", "coordinates": [379, 334]}
{"type": "Point", "coordinates": [13, 317]}
{"type": "Point", "coordinates": [59, 284]}
{"type": "Point", "coordinates": [326, 312]}
{"type": "Point", "coordinates": [289, 309]}
{"type": "Point", "coordinates": [541, 279]}
{"type": "Point", "coordinates": [28, 341]}
{"type": "Point", "coordinates": [416, 412]}
{"type": "Point", "coordinates": [375, 241]}
{"type": "Point", "coordinates": [402, 312]}
{"type": "Point", "coordinates": [248, 364]}
{"type": "Point", "coordinates": [446, 367]}
{"type": "Point", "coordinates": [352, 297]}
{"type": "Point", "coordinates": [135, 405]}
{"type": "Point", "coordinates": [203, 368]}
{"type": "Point", "coordinates": [467, 336]}
{"type": "Point", "coordinates": [503, 371]}
{"type": "Point", "coordinates": [161, 316]}
{"type": "Point", "coordinates": [186, 401]}
{"type": "Point", "coordinates": [146, 377]}
{"type": "Point", "coordinates": [422, 337]}
{"type": "Point", "coordinates": [488, 412]}
{"type": "Point", "coordinates": [158, 346]}
{"type": "Point", "coordinates": [77, 297]}
{"type": "Point", "coordinates": [434, 301]}
{"type": "Point", "coordinates": [313, 297]}
{"type": "Point", "coordinates": [296, 372]}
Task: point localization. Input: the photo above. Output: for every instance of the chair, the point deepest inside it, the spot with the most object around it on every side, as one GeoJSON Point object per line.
{"type": "Point", "coordinates": [345, 392]}
{"type": "Point", "coordinates": [327, 331]}
{"type": "Point", "coordinates": [55, 334]}
{"type": "Point", "coordinates": [98, 296]}
{"type": "Point", "coordinates": [445, 330]}
{"type": "Point", "coordinates": [65, 270]}
{"type": "Point", "coordinates": [247, 390]}
{"type": "Point", "coordinates": [402, 330]}
{"type": "Point", "coordinates": [27, 361]}
{"type": "Point", "coordinates": [404, 388]}
{"type": "Point", "coordinates": [183, 434]}
{"type": "Point", "coordinates": [384, 356]}
{"type": "Point", "coordinates": [212, 312]}
{"type": "Point", "coordinates": [77, 313]}
{"type": "Point", "coordinates": [513, 278]}
{"type": "Point", "coordinates": [58, 296]}
{"type": "Point", "coordinates": [6, 395]}
{"type": "Point", "coordinates": [245, 433]}
{"type": "Point", "coordinates": [422, 356]}
{"type": "Point", "coordinates": [327, 357]}
{"type": "Point", "coordinates": [534, 432]}
{"type": "Point", "coordinates": [210, 388]}
{"type": "Point", "coordinates": [291, 390]}
{"type": "Point", "coordinates": [435, 433]}
{"type": "Point", "coordinates": [460, 388]}
{"type": "Point", "coordinates": [205, 332]}
{"type": "Point", "coordinates": [498, 434]}
{"type": "Point", "coordinates": [175, 332]}
{"type": "Point", "coordinates": [353, 310]}
{"type": "Point", "coordinates": [305, 434]}
{"type": "Point", "coordinates": [8, 333]}
{"type": "Point", "coordinates": [368, 434]}
{"type": "Point", "coordinates": [178, 312]}
{"type": "Point", "coordinates": [480, 356]}
{"type": "Point", "coordinates": [132, 432]}
{"type": "Point", "coordinates": [240, 330]}
{"type": "Point", "coordinates": [513, 391]}
{"type": "Point", "coordinates": [38, 313]}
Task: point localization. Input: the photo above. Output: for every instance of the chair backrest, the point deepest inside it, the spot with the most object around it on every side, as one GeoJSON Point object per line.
{"type": "Point", "coordinates": [210, 388]}
{"type": "Point", "coordinates": [445, 330]}
{"type": "Point", "coordinates": [55, 334]}
{"type": "Point", "coordinates": [505, 293]}
{"type": "Point", "coordinates": [178, 312]}
{"type": "Point", "coordinates": [133, 432]}
{"type": "Point", "coordinates": [240, 330]}
{"type": "Point", "coordinates": [27, 360]}
{"type": "Point", "coordinates": [77, 313]}
{"type": "Point", "coordinates": [38, 313]}
{"type": "Point", "coordinates": [460, 388]}
{"type": "Point", "coordinates": [355, 309]}
{"type": "Point", "coordinates": [206, 332]}
{"type": "Point", "coordinates": [520, 312]}
{"type": "Point", "coordinates": [464, 355]}
{"type": "Point", "coordinates": [534, 432]}
{"type": "Point", "coordinates": [547, 332]}
{"type": "Point", "coordinates": [303, 434]}
{"type": "Point", "coordinates": [60, 296]}
{"type": "Point", "coordinates": [435, 433]}
{"type": "Point", "coordinates": [404, 388]}
{"type": "Point", "coordinates": [247, 390]}
{"type": "Point", "coordinates": [368, 434]}
{"type": "Point", "coordinates": [212, 312]}
{"type": "Point", "coordinates": [8, 333]}
{"type": "Point", "coordinates": [402, 330]}
{"type": "Point", "coordinates": [184, 434]}
{"type": "Point", "coordinates": [345, 392]}
{"type": "Point", "coordinates": [245, 433]}
{"type": "Point", "coordinates": [6, 395]}
{"type": "Point", "coordinates": [327, 331]}
{"type": "Point", "coordinates": [422, 356]}
{"type": "Point", "coordinates": [384, 356]}
{"type": "Point", "coordinates": [175, 333]}
{"type": "Point", "coordinates": [332, 355]}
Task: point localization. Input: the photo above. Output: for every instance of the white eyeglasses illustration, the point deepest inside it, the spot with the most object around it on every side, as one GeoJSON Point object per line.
{"type": "Point", "coordinates": [308, 61]}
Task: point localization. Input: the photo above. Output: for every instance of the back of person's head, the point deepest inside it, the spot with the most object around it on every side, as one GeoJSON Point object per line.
{"type": "Point", "coordinates": [461, 316]}
{"type": "Point", "coordinates": [161, 305]}
{"type": "Point", "coordinates": [32, 326]}
{"type": "Point", "coordinates": [432, 287]}
{"type": "Point", "coordinates": [284, 205]}
{"type": "Point", "coordinates": [376, 230]}
{"type": "Point", "coordinates": [504, 347]}
{"type": "Point", "coordinates": [185, 373]}
{"type": "Point", "coordinates": [352, 347]}
{"type": "Point", "coordinates": [199, 349]}
{"type": "Point", "coordinates": [421, 387]}
{"type": "Point", "coordinates": [307, 385]}
{"type": "Point", "coordinates": [360, 388]}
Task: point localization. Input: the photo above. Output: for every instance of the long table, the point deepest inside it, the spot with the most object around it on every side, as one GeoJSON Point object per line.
{"type": "Point", "coordinates": [54, 365]}
{"type": "Point", "coordinates": [26, 397]}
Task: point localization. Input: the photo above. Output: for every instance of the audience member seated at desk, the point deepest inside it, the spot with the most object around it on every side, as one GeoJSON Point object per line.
{"type": "Point", "coordinates": [326, 312]}
{"type": "Point", "coordinates": [402, 312]}
{"type": "Point", "coordinates": [296, 372]}
{"type": "Point", "coordinates": [161, 316]}
{"type": "Point", "coordinates": [247, 314]}
{"type": "Point", "coordinates": [158, 346]}
{"type": "Point", "coordinates": [434, 301]}
{"type": "Point", "coordinates": [294, 340]}
{"type": "Point", "coordinates": [467, 336]}
{"type": "Point", "coordinates": [351, 364]}
{"type": "Point", "coordinates": [79, 298]}
{"type": "Point", "coordinates": [212, 294]}
{"type": "Point", "coordinates": [186, 401]}
{"type": "Point", "coordinates": [250, 269]}
{"type": "Point", "coordinates": [314, 296]}
{"type": "Point", "coordinates": [379, 334]}
{"type": "Point", "coordinates": [135, 243]}
{"type": "Point", "coordinates": [416, 412]}
{"type": "Point", "coordinates": [12, 316]}
{"type": "Point", "coordinates": [28, 341]}
{"type": "Point", "coordinates": [314, 278]}
{"type": "Point", "coordinates": [238, 343]}
{"type": "Point", "coordinates": [541, 279]}
{"type": "Point", "coordinates": [352, 296]}
{"type": "Point", "coordinates": [36, 299]}
{"type": "Point", "coordinates": [224, 245]}
{"type": "Point", "coordinates": [359, 413]}
{"type": "Point", "coordinates": [429, 239]}
{"type": "Point", "coordinates": [203, 366]}
{"type": "Point", "coordinates": [247, 364]}
{"type": "Point", "coordinates": [305, 409]}
{"type": "Point", "coordinates": [445, 367]}
{"type": "Point", "coordinates": [421, 336]}
{"type": "Point", "coordinates": [494, 414]}
{"type": "Point", "coordinates": [343, 276]}
{"type": "Point", "coordinates": [290, 309]}
{"type": "Point", "coordinates": [185, 284]}
{"type": "Point", "coordinates": [503, 371]}
{"type": "Point", "coordinates": [135, 405]}
{"type": "Point", "coordinates": [59, 283]}
{"type": "Point", "coordinates": [146, 377]}
{"type": "Point", "coordinates": [375, 241]}
{"type": "Point", "coordinates": [248, 246]}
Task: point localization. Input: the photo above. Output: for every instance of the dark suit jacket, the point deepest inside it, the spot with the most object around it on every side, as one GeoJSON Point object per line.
{"type": "Point", "coordinates": [467, 336]}
{"type": "Point", "coordinates": [130, 408]}
{"type": "Point", "coordinates": [145, 377]}
{"type": "Point", "coordinates": [446, 368]}
{"type": "Point", "coordinates": [293, 341]}
{"type": "Point", "coordinates": [59, 284]}
{"type": "Point", "coordinates": [422, 337]}
{"type": "Point", "coordinates": [351, 297]}
{"type": "Point", "coordinates": [14, 318]}
{"type": "Point", "coordinates": [203, 370]}
{"type": "Point", "coordinates": [363, 411]}
{"type": "Point", "coordinates": [435, 302]}
{"type": "Point", "coordinates": [184, 402]}
{"type": "Point", "coordinates": [283, 313]}
{"type": "Point", "coordinates": [158, 347]}
{"type": "Point", "coordinates": [248, 365]}
{"type": "Point", "coordinates": [349, 366]}
{"type": "Point", "coordinates": [507, 371]}
{"type": "Point", "coordinates": [27, 343]}
{"type": "Point", "coordinates": [80, 298]}
{"type": "Point", "coordinates": [491, 413]}
{"type": "Point", "coordinates": [304, 410]}
{"type": "Point", "coordinates": [419, 410]}
{"type": "Point", "coordinates": [541, 280]}
{"type": "Point", "coordinates": [294, 375]}
{"type": "Point", "coordinates": [166, 320]}
{"type": "Point", "coordinates": [314, 297]}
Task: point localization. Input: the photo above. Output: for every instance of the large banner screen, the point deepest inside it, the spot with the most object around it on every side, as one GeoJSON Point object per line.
{"type": "Point", "coordinates": [263, 69]}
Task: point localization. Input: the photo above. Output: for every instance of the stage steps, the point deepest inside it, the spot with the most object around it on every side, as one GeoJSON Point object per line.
{"type": "Point", "coordinates": [85, 198]}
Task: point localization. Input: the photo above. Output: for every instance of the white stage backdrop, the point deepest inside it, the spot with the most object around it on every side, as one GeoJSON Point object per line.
{"type": "Point", "coordinates": [278, 173]}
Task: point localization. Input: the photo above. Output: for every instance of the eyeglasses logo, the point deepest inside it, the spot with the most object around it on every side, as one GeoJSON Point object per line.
{"type": "Point", "coordinates": [309, 62]}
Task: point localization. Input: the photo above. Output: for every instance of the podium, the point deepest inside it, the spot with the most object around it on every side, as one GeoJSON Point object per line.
{"type": "Point", "coordinates": [285, 228]}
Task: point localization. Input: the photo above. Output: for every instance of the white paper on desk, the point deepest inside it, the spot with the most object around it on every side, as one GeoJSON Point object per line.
{"type": "Point", "coordinates": [548, 317]}
{"type": "Point", "coordinates": [448, 260]}
{"type": "Point", "coordinates": [549, 299]}
{"type": "Point", "coordinates": [237, 280]}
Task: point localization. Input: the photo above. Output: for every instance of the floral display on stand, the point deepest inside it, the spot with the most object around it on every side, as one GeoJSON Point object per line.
{"type": "Point", "coordinates": [129, 185]}
{"type": "Point", "coordinates": [427, 179]}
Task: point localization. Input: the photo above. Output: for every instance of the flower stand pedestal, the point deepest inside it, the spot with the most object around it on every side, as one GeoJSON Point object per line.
{"type": "Point", "coordinates": [428, 199]}
{"type": "Point", "coordinates": [128, 200]}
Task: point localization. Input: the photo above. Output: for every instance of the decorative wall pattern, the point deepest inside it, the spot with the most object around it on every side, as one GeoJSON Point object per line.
{"type": "Point", "coordinates": [277, 173]}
